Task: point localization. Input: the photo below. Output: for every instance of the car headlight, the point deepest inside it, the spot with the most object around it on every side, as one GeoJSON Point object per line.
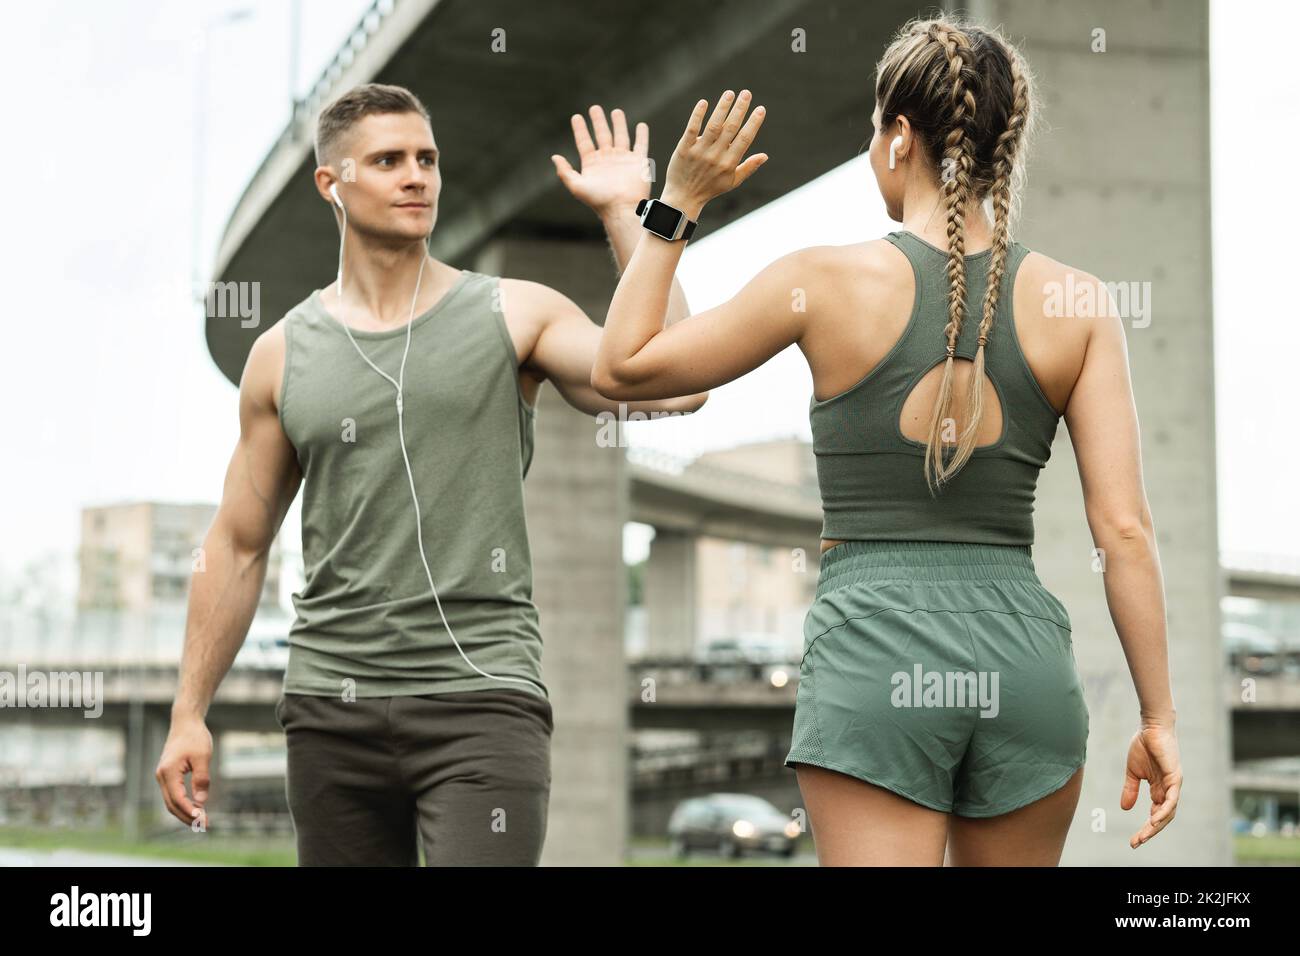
{"type": "Point", "coordinates": [792, 829]}
{"type": "Point", "coordinates": [743, 829]}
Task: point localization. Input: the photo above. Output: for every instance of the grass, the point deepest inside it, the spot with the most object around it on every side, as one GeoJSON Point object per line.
{"type": "Point", "coordinates": [1267, 849]}
{"type": "Point", "coordinates": [183, 846]}
{"type": "Point", "coordinates": [703, 859]}
{"type": "Point", "coordinates": [274, 850]}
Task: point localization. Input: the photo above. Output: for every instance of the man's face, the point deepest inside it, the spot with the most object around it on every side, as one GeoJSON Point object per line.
{"type": "Point", "coordinates": [390, 175]}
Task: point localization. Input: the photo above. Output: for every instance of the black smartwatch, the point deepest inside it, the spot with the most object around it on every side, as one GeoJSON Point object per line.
{"type": "Point", "coordinates": [663, 220]}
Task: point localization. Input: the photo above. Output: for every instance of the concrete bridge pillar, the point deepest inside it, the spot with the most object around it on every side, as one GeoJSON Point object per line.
{"type": "Point", "coordinates": [145, 733]}
{"type": "Point", "coordinates": [670, 580]}
{"type": "Point", "coordinates": [1137, 75]}
{"type": "Point", "coordinates": [576, 495]}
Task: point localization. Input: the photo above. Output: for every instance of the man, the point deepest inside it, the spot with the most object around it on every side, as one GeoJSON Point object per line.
{"type": "Point", "coordinates": [405, 706]}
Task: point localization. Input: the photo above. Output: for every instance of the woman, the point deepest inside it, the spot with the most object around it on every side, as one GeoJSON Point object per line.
{"type": "Point", "coordinates": [939, 707]}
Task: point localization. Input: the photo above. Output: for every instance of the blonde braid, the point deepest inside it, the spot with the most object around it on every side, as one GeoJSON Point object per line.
{"type": "Point", "coordinates": [1004, 162]}
{"type": "Point", "coordinates": [959, 156]}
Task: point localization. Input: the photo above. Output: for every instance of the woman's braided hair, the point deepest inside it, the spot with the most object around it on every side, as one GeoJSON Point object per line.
{"type": "Point", "coordinates": [967, 94]}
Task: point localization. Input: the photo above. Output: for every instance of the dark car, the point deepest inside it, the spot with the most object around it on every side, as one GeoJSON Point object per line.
{"type": "Point", "coordinates": [732, 824]}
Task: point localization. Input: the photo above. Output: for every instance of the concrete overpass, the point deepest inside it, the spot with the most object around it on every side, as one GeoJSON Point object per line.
{"type": "Point", "coordinates": [1140, 213]}
{"type": "Point", "coordinates": [744, 720]}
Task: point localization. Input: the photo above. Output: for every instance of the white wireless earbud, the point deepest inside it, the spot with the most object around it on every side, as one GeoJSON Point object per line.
{"type": "Point", "coordinates": [334, 191]}
{"type": "Point", "coordinates": [898, 141]}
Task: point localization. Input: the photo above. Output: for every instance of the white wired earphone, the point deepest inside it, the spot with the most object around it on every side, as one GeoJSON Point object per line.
{"type": "Point", "coordinates": [401, 432]}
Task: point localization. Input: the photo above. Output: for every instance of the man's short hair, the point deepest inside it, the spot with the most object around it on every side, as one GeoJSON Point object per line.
{"type": "Point", "coordinates": [337, 118]}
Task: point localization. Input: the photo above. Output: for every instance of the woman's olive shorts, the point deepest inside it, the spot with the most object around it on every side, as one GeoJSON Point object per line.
{"type": "Point", "coordinates": [942, 671]}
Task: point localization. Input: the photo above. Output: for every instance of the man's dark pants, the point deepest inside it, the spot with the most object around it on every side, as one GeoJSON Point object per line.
{"type": "Point", "coordinates": [468, 773]}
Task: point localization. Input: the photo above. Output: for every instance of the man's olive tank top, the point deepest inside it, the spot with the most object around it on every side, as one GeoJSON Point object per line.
{"type": "Point", "coordinates": [871, 475]}
{"type": "Point", "coordinates": [366, 620]}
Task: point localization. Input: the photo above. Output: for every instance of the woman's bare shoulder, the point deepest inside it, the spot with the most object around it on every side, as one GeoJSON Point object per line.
{"type": "Point", "coordinates": [862, 266]}
{"type": "Point", "coordinates": [1045, 275]}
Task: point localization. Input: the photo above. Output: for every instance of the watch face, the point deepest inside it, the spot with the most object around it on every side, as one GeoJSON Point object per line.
{"type": "Point", "coordinates": [662, 219]}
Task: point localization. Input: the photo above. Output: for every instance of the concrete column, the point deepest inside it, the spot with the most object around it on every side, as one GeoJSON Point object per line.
{"type": "Point", "coordinates": [576, 497]}
{"type": "Point", "coordinates": [1270, 813]}
{"type": "Point", "coordinates": [146, 731]}
{"type": "Point", "coordinates": [1120, 187]}
{"type": "Point", "coordinates": [670, 578]}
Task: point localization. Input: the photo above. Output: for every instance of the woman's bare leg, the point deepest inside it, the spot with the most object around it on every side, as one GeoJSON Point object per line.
{"type": "Point", "coordinates": [1034, 835]}
{"type": "Point", "coordinates": [855, 823]}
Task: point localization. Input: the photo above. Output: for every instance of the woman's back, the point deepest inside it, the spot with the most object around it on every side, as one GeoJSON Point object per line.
{"type": "Point", "coordinates": [877, 351]}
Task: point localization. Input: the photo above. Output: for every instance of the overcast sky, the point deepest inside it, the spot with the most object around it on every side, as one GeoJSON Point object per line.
{"type": "Point", "coordinates": [110, 390]}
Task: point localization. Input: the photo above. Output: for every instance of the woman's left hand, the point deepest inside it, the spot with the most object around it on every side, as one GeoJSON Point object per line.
{"type": "Point", "coordinates": [707, 163]}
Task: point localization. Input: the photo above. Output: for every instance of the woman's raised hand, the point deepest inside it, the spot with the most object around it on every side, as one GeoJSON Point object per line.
{"type": "Point", "coordinates": [708, 162]}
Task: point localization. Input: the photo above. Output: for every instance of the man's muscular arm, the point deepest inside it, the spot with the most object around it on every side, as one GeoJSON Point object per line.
{"type": "Point", "coordinates": [564, 344]}
{"type": "Point", "coordinates": [261, 483]}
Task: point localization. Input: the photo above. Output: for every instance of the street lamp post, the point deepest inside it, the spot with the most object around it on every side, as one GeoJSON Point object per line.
{"type": "Point", "coordinates": [200, 141]}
